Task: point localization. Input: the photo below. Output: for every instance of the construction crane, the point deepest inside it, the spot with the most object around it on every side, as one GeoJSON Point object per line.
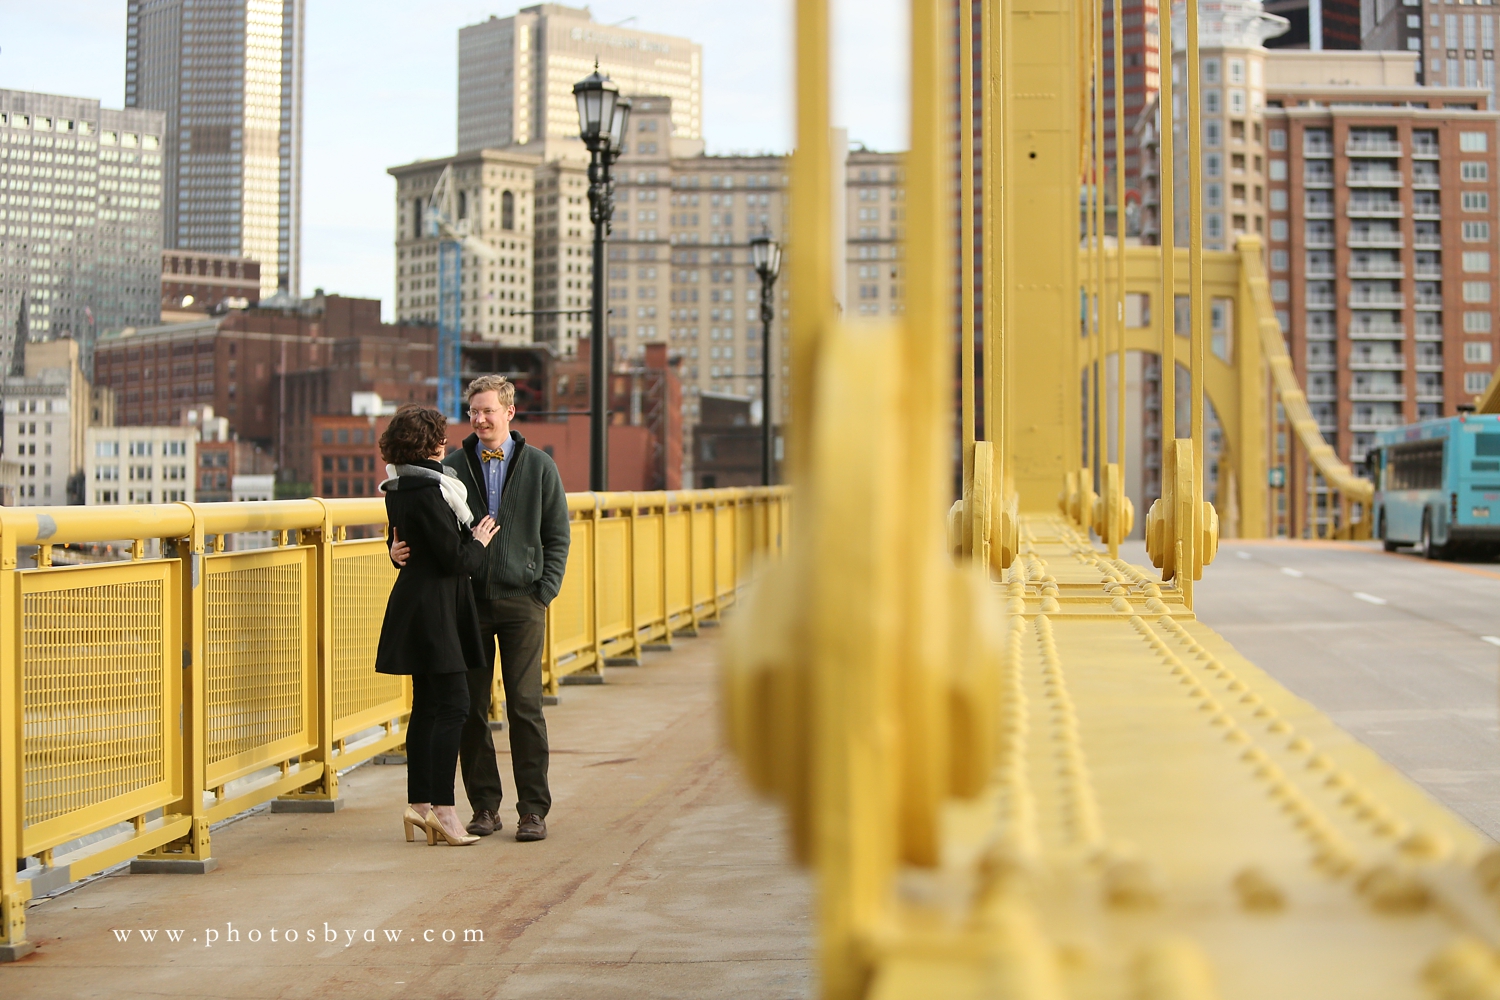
{"type": "Point", "coordinates": [448, 221]}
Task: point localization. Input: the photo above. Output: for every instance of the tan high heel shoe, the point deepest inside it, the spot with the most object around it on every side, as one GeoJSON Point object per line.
{"type": "Point", "coordinates": [436, 831]}
{"type": "Point", "coordinates": [410, 819]}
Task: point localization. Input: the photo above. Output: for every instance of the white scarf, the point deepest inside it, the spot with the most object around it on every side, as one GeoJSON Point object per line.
{"type": "Point", "coordinates": [454, 490]}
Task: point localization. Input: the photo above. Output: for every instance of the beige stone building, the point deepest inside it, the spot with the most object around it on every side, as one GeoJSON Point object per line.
{"type": "Point", "coordinates": [45, 417]}
{"type": "Point", "coordinates": [516, 74]}
{"type": "Point", "coordinates": [562, 271]}
{"type": "Point", "coordinates": [495, 198]}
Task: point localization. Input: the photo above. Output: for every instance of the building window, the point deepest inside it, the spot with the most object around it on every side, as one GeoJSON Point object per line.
{"type": "Point", "coordinates": [1278, 138]}
{"type": "Point", "coordinates": [1473, 142]}
{"type": "Point", "coordinates": [1279, 260]}
{"type": "Point", "coordinates": [1278, 170]}
{"type": "Point", "coordinates": [1476, 322]}
{"type": "Point", "coordinates": [1476, 201]}
{"type": "Point", "coordinates": [1278, 200]}
{"type": "Point", "coordinates": [1475, 171]}
{"type": "Point", "coordinates": [1278, 226]}
{"type": "Point", "coordinates": [1476, 232]}
{"type": "Point", "coordinates": [1476, 382]}
{"type": "Point", "coordinates": [1477, 262]}
{"type": "Point", "coordinates": [1476, 291]}
{"type": "Point", "coordinates": [1280, 291]}
{"type": "Point", "coordinates": [507, 210]}
{"type": "Point", "coordinates": [1477, 353]}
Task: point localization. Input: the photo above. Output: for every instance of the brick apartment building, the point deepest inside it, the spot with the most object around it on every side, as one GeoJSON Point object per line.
{"type": "Point", "coordinates": [246, 364]}
{"type": "Point", "coordinates": [1382, 249]}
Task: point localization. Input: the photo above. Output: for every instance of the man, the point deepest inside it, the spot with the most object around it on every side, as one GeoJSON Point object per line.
{"type": "Point", "coordinates": [520, 488]}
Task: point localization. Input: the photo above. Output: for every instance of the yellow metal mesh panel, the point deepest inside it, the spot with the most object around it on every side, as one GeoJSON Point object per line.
{"type": "Point", "coordinates": [703, 556]}
{"type": "Point", "coordinates": [571, 612]}
{"type": "Point", "coordinates": [648, 568]}
{"type": "Point", "coordinates": [361, 587]}
{"type": "Point", "coordinates": [677, 527]}
{"type": "Point", "coordinates": [253, 657]}
{"type": "Point", "coordinates": [748, 519]}
{"type": "Point", "coordinates": [614, 610]}
{"type": "Point", "coordinates": [724, 549]}
{"type": "Point", "coordinates": [92, 696]}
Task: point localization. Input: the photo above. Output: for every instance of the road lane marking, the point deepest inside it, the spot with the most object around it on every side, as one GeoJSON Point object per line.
{"type": "Point", "coordinates": [1493, 640]}
{"type": "Point", "coordinates": [1370, 598]}
{"type": "Point", "coordinates": [1291, 572]}
{"type": "Point", "coordinates": [1243, 554]}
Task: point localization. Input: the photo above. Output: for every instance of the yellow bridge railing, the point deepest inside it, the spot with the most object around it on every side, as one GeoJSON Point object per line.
{"type": "Point", "coordinates": [143, 700]}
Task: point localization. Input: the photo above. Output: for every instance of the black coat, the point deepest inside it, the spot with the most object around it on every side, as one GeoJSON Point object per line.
{"type": "Point", "coordinates": [431, 625]}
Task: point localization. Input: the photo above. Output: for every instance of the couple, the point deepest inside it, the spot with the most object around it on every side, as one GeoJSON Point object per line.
{"type": "Point", "coordinates": [481, 539]}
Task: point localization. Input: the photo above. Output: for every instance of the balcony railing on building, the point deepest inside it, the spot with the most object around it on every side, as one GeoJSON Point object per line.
{"type": "Point", "coordinates": [1374, 421]}
{"type": "Point", "coordinates": [1378, 208]}
{"type": "Point", "coordinates": [1317, 208]}
{"type": "Point", "coordinates": [1428, 270]}
{"type": "Point", "coordinates": [1426, 208]}
{"type": "Point", "coordinates": [1317, 174]}
{"type": "Point", "coordinates": [1373, 178]}
{"type": "Point", "coordinates": [1363, 145]}
{"type": "Point", "coordinates": [1380, 299]}
{"type": "Point", "coordinates": [1363, 237]}
{"type": "Point", "coordinates": [1376, 330]}
{"type": "Point", "coordinates": [1425, 148]}
{"type": "Point", "coordinates": [1422, 239]}
{"type": "Point", "coordinates": [1376, 269]}
{"type": "Point", "coordinates": [1366, 359]}
{"type": "Point", "coordinates": [1317, 300]}
{"type": "Point", "coordinates": [1316, 146]}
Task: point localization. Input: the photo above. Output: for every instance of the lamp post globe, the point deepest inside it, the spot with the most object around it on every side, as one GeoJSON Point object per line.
{"type": "Point", "coordinates": [765, 257]}
{"type": "Point", "coordinates": [596, 95]}
{"type": "Point", "coordinates": [619, 126]}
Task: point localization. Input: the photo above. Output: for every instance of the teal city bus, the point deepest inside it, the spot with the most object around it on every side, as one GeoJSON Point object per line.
{"type": "Point", "coordinates": [1437, 485]}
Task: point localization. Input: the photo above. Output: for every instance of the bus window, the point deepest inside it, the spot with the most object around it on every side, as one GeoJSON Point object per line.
{"type": "Point", "coordinates": [1416, 466]}
{"type": "Point", "coordinates": [1486, 445]}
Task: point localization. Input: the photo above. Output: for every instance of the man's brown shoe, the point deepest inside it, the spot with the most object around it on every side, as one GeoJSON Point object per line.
{"type": "Point", "coordinates": [531, 827]}
{"type": "Point", "coordinates": [484, 823]}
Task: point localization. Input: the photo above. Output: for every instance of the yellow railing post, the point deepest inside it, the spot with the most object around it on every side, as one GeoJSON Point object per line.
{"type": "Point", "coordinates": [323, 794]}
{"type": "Point", "coordinates": [13, 895]}
{"type": "Point", "coordinates": [191, 854]}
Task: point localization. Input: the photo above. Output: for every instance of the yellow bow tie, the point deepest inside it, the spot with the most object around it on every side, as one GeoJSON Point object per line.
{"type": "Point", "coordinates": [498, 455]}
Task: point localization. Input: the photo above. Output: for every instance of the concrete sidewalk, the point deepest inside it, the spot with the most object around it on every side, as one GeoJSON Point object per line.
{"type": "Point", "coordinates": [661, 877]}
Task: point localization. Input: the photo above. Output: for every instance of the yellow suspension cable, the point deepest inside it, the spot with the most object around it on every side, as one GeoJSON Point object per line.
{"type": "Point", "coordinates": [966, 240]}
{"type": "Point", "coordinates": [1196, 366]}
{"type": "Point", "coordinates": [1119, 304]}
{"type": "Point", "coordinates": [1100, 321]}
{"type": "Point", "coordinates": [1167, 227]}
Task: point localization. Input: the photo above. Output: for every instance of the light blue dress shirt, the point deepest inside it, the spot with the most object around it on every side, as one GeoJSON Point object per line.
{"type": "Point", "coordinates": [494, 475]}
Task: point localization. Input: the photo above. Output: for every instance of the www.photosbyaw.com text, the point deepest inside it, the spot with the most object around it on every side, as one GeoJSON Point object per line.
{"type": "Point", "coordinates": [210, 937]}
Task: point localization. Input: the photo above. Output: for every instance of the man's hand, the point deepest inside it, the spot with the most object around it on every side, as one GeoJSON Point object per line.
{"type": "Point", "coordinates": [400, 551]}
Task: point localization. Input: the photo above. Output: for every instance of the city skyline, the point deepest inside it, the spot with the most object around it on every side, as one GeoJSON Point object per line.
{"type": "Point", "coordinates": [382, 89]}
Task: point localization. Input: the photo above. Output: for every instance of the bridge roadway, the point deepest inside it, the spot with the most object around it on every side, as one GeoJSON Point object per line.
{"type": "Point", "coordinates": [662, 877]}
{"type": "Point", "coordinates": [1400, 652]}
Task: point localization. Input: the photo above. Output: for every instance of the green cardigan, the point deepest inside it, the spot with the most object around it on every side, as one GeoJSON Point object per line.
{"type": "Point", "coordinates": [530, 551]}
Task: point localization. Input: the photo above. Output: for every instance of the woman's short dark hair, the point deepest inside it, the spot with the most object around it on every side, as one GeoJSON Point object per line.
{"type": "Point", "coordinates": [414, 433]}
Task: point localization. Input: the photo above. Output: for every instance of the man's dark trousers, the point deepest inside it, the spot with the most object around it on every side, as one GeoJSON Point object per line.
{"type": "Point", "coordinates": [518, 625]}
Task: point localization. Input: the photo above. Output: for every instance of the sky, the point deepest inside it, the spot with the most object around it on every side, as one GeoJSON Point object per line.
{"type": "Point", "coordinates": [382, 90]}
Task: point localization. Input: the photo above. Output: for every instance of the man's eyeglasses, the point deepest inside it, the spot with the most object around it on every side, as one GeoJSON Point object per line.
{"type": "Point", "coordinates": [485, 413]}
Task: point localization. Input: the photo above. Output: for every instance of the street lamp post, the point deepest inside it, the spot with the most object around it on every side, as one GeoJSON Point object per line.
{"type": "Point", "coordinates": [603, 116]}
{"type": "Point", "coordinates": [765, 255]}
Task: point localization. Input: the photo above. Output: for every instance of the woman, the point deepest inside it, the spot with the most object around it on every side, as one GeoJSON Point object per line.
{"type": "Point", "coordinates": [431, 628]}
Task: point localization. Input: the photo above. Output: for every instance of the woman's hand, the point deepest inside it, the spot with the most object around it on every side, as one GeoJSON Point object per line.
{"type": "Point", "coordinates": [485, 530]}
